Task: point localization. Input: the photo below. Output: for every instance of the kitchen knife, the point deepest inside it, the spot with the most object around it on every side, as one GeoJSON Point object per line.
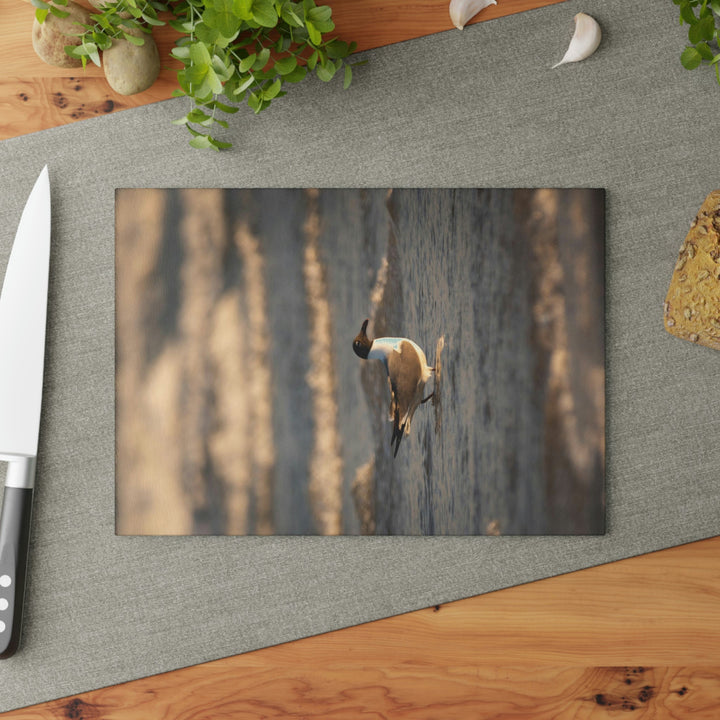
{"type": "Point", "coordinates": [23, 310]}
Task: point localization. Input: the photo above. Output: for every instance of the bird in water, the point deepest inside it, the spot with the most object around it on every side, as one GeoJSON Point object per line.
{"type": "Point", "coordinates": [408, 372]}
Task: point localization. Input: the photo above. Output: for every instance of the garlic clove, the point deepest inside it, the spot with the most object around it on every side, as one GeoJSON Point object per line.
{"type": "Point", "coordinates": [463, 10]}
{"type": "Point", "coordinates": [584, 41]}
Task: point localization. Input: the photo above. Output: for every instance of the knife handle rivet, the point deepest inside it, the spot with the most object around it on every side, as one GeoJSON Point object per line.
{"type": "Point", "coordinates": [3, 604]}
{"type": "Point", "coordinates": [5, 580]}
{"type": "Point", "coordinates": [2, 626]}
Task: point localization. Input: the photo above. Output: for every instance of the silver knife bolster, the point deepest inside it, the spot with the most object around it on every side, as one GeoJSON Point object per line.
{"type": "Point", "coordinates": [21, 472]}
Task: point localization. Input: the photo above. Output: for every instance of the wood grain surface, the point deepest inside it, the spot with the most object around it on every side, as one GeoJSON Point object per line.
{"type": "Point", "coordinates": [35, 96]}
{"type": "Point", "coordinates": [638, 636]}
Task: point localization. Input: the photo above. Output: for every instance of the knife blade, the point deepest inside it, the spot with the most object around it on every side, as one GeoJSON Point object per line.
{"type": "Point", "coordinates": [23, 313]}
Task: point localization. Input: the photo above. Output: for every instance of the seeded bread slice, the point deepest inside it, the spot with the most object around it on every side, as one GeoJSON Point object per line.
{"type": "Point", "coordinates": [692, 305]}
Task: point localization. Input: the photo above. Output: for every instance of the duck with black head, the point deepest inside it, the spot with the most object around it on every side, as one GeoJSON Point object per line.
{"type": "Point", "coordinates": [408, 373]}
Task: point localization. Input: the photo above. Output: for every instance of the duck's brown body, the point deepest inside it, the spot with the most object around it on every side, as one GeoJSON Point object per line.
{"type": "Point", "coordinates": [408, 373]}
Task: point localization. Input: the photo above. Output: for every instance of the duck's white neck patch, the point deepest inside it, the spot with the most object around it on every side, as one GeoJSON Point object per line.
{"type": "Point", "coordinates": [382, 347]}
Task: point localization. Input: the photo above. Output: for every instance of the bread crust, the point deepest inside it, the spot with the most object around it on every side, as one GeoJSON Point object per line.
{"type": "Point", "coordinates": [692, 304]}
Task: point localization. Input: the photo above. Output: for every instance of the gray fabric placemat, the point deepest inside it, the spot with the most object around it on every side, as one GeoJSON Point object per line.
{"type": "Point", "coordinates": [474, 108]}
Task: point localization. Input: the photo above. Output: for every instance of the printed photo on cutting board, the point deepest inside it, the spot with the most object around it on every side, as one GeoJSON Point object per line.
{"type": "Point", "coordinates": [360, 361]}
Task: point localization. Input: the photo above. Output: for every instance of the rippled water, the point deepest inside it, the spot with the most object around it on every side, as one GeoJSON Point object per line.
{"type": "Point", "coordinates": [509, 282]}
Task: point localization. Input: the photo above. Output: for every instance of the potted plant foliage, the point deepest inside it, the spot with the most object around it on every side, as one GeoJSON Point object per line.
{"type": "Point", "coordinates": [702, 18]}
{"type": "Point", "coordinates": [232, 51]}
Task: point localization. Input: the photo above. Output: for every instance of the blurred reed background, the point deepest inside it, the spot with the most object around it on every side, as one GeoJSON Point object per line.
{"type": "Point", "coordinates": [242, 409]}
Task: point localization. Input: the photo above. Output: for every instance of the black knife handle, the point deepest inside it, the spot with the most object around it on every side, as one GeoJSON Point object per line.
{"type": "Point", "coordinates": [14, 542]}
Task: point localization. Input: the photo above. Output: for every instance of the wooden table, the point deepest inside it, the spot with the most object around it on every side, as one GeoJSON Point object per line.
{"type": "Point", "coordinates": [640, 635]}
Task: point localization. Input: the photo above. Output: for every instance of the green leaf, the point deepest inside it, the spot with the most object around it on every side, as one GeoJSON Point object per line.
{"type": "Point", "coordinates": [132, 39]}
{"type": "Point", "coordinates": [312, 60]}
{"type": "Point", "coordinates": [199, 54]}
{"type": "Point", "coordinates": [715, 5]}
{"type": "Point", "coordinates": [182, 26]}
{"type": "Point", "coordinates": [183, 82]}
{"type": "Point", "coordinates": [702, 30]}
{"type": "Point", "coordinates": [198, 116]}
{"type": "Point", "coordinates": [704, 49]}
{"type": "Point", "coordinates": [254, 102]}
{"type": "Point", "coordinates": [178, 93]}
{"type": "Point", "coordinates": [102, 21]}
{"type": "Point", "coordinates": [337, 49]}
{"type": "Point", "coordinates": [690, 58]}
{"type": "Point", "coordinates": [202, 142]}
{"type": "Point", "coordinates": [207, 34]}
{"type": "Point", "coordinates": [246, 63]}
{"type": "Point", "coordinates": [325, 72]}
{"type": "Point", "coordinates": [223, 17]}
{"type": "Point", "coordinates": [229, 109]}
{"type": "Point", "coordinates": [219, 145]}
{"type": "Point", "coordinates": [262, 59]}
{"type": "Point", "coordinates": [292, 18]}
{"type": "Point", "coordinates": [285, 65]}
{"type": "Point", "coordinates": [243, 9]}
{"type": "Point", "coordinates": [319, 14]}
{"type": "Point", "coordinates": [313, 33]}
{"type": "Point", "coordinates": [195, 74]}
{"type": "Point", "coordinates": [41, 14]}
{"type": "Point", "coordinates": [348, 77]}
{"type": "Point", "coordinates": [218, 65]}
{"type": "Point", "coordinates": [150, 20]}
{"type": "Point", "coordinates": [244, 85]}
{"type": "Point", "coordinates": [41, 4]}
{"type": "Point", "coordinates": [272, 91]}
{"type": "Point", "coordinates": [214, 81]}
{"type": "Point", "coordinates": [129, 24]}
{"type": "Point", "coordinates": [321, 23]}
{"type": "Point", "coordinates": [296, 75]}
{"type": "Point", "coordinates": [203, 93]}
{"type": "Point", "coordinates": [58, 13]}
{"type": "Point", "coordinates": [92, 51]}
{"type": "Point", "coordinates": [181, 52]}
{"type": "Point", "coordinates": [688, 14]}
{"type": "Point", "coordinates": [102, 41]}
{"type": "Point", "coordinates": [264, 13]}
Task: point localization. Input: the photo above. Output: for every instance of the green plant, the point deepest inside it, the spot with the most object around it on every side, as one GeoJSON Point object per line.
{"type": "Point", "coordinates": [702, 33]}
{"type": "Point", "coordinates": [237, 50]}
{"type": "Point", "coordinates": [43, 8]}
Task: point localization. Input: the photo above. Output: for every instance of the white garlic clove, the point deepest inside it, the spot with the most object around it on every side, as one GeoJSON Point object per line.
{"type": "Point", "coordinates": [584, 41]}
{"type": "Point", "coordinates": [463, 10]}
